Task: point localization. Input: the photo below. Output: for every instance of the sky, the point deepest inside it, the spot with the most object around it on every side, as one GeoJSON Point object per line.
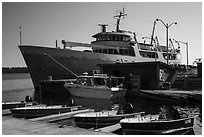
{"type": "Point", "coordinates": [45, 22]}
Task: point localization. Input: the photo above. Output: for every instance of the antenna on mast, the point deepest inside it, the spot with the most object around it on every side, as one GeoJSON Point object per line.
{"type": "Point", "coordinates": [118, 17]}
{"type": "Point", "coordinates": [20, 37]}
{"type": "Point", "coordinates": [123, 11]}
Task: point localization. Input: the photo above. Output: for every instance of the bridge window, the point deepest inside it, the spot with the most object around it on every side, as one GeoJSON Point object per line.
{"type": "Point", "coordinates": [105, 51]}
{"type": "Point", "coordinates": [148, 54]}
{"type": "Point", "coordinates": [171, 56]}
{"type": "Point", "coordinates": [126, 52]}
{"type": "Point", "coordinates": [110, 51]}
{"type": "Point", "coordinates": [121, 51]}
{"type": "Point", "coordinates": [115, 51]}
{"type": "Point", "coordinates": [100, 51]}
{"type": "Point", "coordinates": [113, 38]}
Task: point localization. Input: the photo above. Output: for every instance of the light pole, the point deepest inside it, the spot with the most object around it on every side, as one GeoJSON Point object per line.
{"type": "Point", "coordinates": [20, 36]}
{"type": "Point", "coordinates": [167, 39]}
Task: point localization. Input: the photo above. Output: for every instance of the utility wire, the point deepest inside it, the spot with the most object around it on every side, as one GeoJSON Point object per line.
{"type": "Point", "coordinates": [138, 19]}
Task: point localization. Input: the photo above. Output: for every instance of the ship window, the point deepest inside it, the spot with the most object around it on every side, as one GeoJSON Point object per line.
{"type": "Point", "coordinates": [105, 51]}
{"type": "Point", "coordinates": [121, 51]}
{"type": "Point", "coordinates": [120, 38]}
{"type": "Point", "coordinates": [171, 56]}
{"type": "Point", "coordinates": [113, 37]}
{"type": "Point", "coordinates": [99, 38]}
{"type": "Point", "coordinates": [105, 37]}
{"type": "Point", "coordinates": [148, 54]}
{"type": "Point", "coordinates": [117, 38]}
{"type": "Point", "coordinates": [132, 53]}
{"type": "Point", "coordinates": [126, 52]}
{"type": "Point", "coordinates": [115, 51]}
{"type": "Point", "coordinates": [123, 38]}
{"type": "Point", "coordinates": [102, 38]}
{"type": "Point", "coordinates": [110, 51]}
{"type": "Point", "coordinates": [174, 56]}
{"type": "Point", "coordinates": [95, 50]}
{"type": "Point", "coordinates": [99, 81]}
{"type": "Point", "coordinates": [100, 51]}
{"type": "Point", "coordinates": [109, 37]}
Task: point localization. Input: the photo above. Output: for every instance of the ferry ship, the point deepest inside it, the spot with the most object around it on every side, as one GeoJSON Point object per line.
{"type": "Point", "coordinates": [117, 46]}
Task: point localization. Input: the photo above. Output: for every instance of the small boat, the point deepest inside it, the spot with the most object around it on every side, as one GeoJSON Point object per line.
{"type": "Point", "coordinates": [9, 105]}
{"type": "Point", "coordinates": [42, 110]}
{"type": "Point", "coordinates": [97, 86]}
{"type": "Point", "coordinates": [101, 119]}
{"type": "Point", "coordinates": [157, 124]}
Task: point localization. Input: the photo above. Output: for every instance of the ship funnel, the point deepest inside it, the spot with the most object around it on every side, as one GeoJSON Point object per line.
{"type": "Point", "coordinates": [103, 27]}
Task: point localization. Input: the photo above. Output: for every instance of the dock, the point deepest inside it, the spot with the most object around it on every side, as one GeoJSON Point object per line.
{"type": "Point", "coordinates": [196, 95]}
{"type": "Point", "coordinates": [109, 129]}
{"type": "Point", "coordinates": [16, 126]}
{"type": "Point", "coordinates": [42, 126]}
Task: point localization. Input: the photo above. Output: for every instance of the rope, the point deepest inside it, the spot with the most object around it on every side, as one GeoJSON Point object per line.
{"type": "Point", "coordinates": [61, 65]}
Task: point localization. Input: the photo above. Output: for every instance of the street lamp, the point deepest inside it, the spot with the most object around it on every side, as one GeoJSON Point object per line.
{"type": "Point", "coordinates": [167, 39]}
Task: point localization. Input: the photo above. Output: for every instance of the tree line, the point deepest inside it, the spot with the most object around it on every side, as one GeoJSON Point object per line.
{"type": "Point", "coordinates": [15, 70]}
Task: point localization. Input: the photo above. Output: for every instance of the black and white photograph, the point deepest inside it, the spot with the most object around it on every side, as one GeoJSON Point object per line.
{"type": "Point", "coordinates": [102, 68]}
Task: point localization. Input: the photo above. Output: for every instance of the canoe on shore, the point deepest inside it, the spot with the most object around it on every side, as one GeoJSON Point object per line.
{"type": "Point", "coordinates": [42, 110]}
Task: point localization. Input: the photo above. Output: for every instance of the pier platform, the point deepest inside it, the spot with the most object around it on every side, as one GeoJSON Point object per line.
{"type": "Point", "coordinates": [16, 126]}
{"type": "Point", "coordinates": [172, 94]}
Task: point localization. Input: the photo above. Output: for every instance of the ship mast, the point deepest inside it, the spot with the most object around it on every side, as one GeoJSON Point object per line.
{"type": "Point", "coordinates": [118, 17]}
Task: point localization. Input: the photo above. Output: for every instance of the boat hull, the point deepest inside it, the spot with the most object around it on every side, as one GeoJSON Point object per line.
{"type": "Point", "coordinates": [13, 105]}
{"type": "Point", "coordinates": [99, 122]}
{"type": "Point", "coordinates": [40, 111]}
{"type": "Point", "coordinates": [93, 92]}
{"type": "Point", "coordinates": [158, 127]}
{"type": "Point", "coordinates": [10, 105]}
{"type": "Point", "coordinates": [100, 119]}
{"type": "Point", "coordinates": [60, 65]}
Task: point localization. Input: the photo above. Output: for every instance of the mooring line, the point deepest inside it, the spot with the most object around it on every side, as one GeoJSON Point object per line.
{"type": "Point", "coordinates": [61, 64]}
